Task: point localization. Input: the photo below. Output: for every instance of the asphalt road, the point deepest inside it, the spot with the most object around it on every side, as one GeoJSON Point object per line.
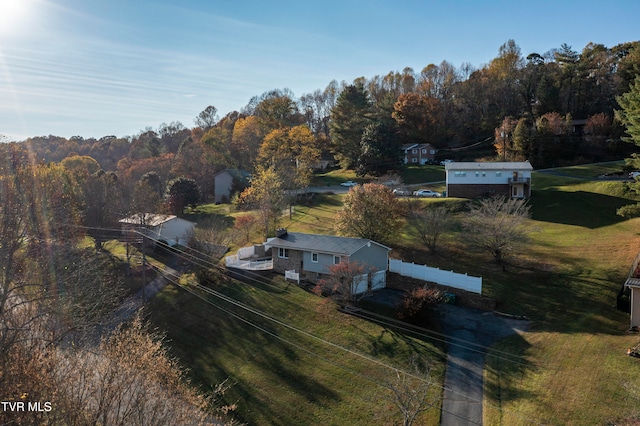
{"type": "Point", "coordinates": [469, 332]}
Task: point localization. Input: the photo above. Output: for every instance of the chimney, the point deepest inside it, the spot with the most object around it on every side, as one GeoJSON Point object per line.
{"type": "Point", "coordinates": [281, 232]}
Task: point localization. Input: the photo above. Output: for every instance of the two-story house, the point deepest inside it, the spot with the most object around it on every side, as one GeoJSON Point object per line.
{"type": "Point", "coordinates": [418, 154]}
{"type": "Point", "coordinates": [470, 180]}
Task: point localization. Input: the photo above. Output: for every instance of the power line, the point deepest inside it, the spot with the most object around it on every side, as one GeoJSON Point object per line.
{"type": "Point", "coordinates": [273, 334]}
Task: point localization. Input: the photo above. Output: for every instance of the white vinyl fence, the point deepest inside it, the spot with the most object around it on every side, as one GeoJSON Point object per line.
{"type": "Point", "coordinates": [436, 275]}
{"type": "Point", "coordinates": [253, 265]}
{"type": "Point", "coordinates": [292, 275]}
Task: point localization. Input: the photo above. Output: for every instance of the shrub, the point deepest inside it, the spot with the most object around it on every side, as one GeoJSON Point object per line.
{"type": "Point", "coordinates": [417, 304]}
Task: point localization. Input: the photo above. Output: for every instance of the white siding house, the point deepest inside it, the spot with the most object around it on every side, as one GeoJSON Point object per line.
{"type": "Point", "coordinates": [169, 228]}
{"type": "Point", "coordinates": [470, 180]}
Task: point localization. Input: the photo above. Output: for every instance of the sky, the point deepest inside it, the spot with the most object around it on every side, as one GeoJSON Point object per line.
{"type": "Point", "coordinates": [93, 68]}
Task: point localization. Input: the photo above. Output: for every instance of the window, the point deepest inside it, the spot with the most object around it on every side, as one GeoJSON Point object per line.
{"type": "Point", "coordinates": [477, 174]}
{"type": "Point", "coordinates": [433, 151]}
{"type": "Point", "coordinates": [498, 174]}
{"type": "Point", "coordinates": [460, 174]}
{"type": "Point", "coordinates": [424, 151]}
{"type": "Point", "coordinates": [314, 257]}
{"type": "Point", "coordinates": [414, 151]}
{"type": "Point", "coordinates": [336, 260]}
{"type": "Point", "coordinates": [414, 160]}
{"type": "Point", "coordinates": [483, 174]}
{"type": "Point", "coordinates": [283, 253]}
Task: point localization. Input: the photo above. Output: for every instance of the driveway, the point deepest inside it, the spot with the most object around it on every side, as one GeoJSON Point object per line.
{"type": "Point", "coordinates": [469, 332]}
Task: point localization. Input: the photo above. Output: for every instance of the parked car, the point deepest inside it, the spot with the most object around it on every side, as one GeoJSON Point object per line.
{"type": "Point", "coordinates": [401, 192]}
{"type": "Point", "coordinates": [426, 193]}
{"type": "Point", "coordinates": [349, 183]}
{"type": "Point", "coordinates": [445, 162]}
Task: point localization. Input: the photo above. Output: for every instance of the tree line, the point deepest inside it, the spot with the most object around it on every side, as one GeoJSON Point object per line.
{"type": "Point", "coordinates": [550, 108]}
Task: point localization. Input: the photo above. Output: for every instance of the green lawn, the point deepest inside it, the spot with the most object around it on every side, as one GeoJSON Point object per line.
{"type": "Point", "coordinates": [572, 365]}
{"type": "Point", "coordinates": [282, 376]}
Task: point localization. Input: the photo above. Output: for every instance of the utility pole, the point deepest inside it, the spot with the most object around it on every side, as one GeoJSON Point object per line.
{"type": "Point", "coordinates": [144, 267]}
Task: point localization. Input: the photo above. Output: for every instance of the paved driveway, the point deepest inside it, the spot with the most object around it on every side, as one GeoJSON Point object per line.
{"type": "Point", "coordinates": [469, 331]}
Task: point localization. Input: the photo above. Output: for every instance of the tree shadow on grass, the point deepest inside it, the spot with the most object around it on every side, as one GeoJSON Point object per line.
{"type": "Point", "coordinates": [580, 208]}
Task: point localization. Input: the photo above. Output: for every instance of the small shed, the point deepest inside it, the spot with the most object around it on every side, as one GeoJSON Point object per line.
{"type": "Point", "coordinates": [162, 227]}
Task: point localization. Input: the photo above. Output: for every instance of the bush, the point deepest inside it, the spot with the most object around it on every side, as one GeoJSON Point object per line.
{"type": "Point", "coordinates": [417, 304]}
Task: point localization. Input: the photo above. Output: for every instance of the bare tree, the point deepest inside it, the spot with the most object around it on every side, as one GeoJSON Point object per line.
{"type": "Point", "coordinates": [430, 223]}
{"type": "Point", "coordinates": [498, 225]}
{"type": "Point", "coordinates": [411, 391]}
{"type": "Point", "coordinates": [207, 118]}
{"type": "Point", "coordinates": [340, 281]}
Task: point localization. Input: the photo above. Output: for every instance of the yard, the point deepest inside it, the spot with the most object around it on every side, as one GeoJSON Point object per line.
{"type": "Point", "coordinates": [572, 365]}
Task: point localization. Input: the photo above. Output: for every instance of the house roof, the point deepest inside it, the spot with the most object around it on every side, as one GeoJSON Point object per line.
{"type": "Point", "coordinates": [409, 146]}
{"type": "Point", "coordinates": [236, 173]}
{"type": "Point", "coordinates": [511, 166]}
{"type": "Point", "coordinates": [149, 219]}
{"type": "Point", "coordinates": [321, 243]}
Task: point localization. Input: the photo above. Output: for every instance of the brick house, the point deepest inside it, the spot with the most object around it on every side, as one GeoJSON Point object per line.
{"type": "Point", "coordinates": [311, 255]}
{"type": "Point", "coordinates": [418, 154]}
{"type": "Point", "coordinates": [475, 179]}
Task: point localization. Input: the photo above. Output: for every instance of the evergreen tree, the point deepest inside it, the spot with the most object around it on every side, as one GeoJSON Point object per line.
{"type": "Point", "coordinates": [348, 121]}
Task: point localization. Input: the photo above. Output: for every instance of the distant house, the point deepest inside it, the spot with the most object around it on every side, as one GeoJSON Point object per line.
{"type": "Point", "coordinates": [470, 180]}
{"type": "Point", "coordinates": [418, 154]}
{"type": "Point", "coordinates": [633, 284]}
{"type": "Point", "coordinates": [228, 180]}
{"type": "Point", "coordinates": [169, 228]}
{"type": "Point", "coordinates": [311, 255]}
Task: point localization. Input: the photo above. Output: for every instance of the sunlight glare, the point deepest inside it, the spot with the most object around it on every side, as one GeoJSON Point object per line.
{"type": "Point", "coordinates": [12, 13]}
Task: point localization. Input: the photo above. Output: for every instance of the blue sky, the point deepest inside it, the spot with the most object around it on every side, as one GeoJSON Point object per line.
{"type": "Point", "coordinates": [114, 67]}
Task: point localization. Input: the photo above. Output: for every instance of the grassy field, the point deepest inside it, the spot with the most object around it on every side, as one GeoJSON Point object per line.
{"type": "Point", "coordinates": [572, 368]}
{"type": "Point", "coordinates": [282, 376]}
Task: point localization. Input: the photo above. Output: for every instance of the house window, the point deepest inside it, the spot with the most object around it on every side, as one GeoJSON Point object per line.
{"type": "Point", "coordinates": [483, 174]}
{"type": "Point", "coordinates": [477, 174]}
{"type": "Point", "coordinates": [414, 151]}
{"type": "Point", "coordinates": [283, 253]}
{"type": "Point", "coordinates": [460, 174]}
{"type": "Point", "coordinates": [433, 151]}
{"type": "Point", "coordinates": [314, 257]}
{"type": "Point", "coordinates": [414, 160]}
{"type": "Point", "coordinates": [498, 174]}
{"type": "Point", "coordinates": [424, 151]}
{"type": "Point", "coordinates": [336, 260]}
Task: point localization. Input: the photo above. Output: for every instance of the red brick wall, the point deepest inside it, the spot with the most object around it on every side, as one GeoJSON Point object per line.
{"type": "Point", "coordinates": [474, 191]}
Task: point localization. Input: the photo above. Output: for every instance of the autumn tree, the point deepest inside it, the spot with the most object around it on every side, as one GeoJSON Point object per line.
{"type": "Point", "coordinates": [417, 116]}
{"type": "Point", "coordinates": [292, 153]}
{"type": "Point", "coordinates": [266, 194]}
{"type": "Point", "coordinates": [103, 206]}
{"type": "Point", "coordinates": [81, 164]}
{"type": "Point", "coordinates": [370, 211]}
{"type": "Point", "coordinates": [246, 140]}
{"type": "Point", "coordinates": [497, 225]}
{"type": "Point", "coordinates": [245, 224]}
